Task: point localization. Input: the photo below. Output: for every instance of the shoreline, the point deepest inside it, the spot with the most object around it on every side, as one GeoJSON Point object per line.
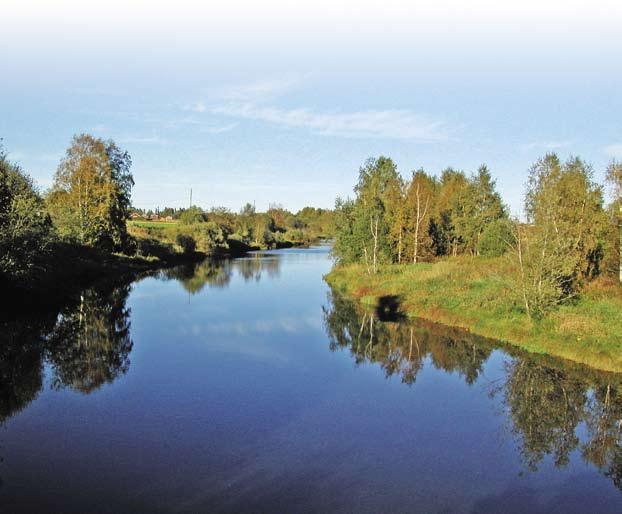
{"type": "Point", "coordinates": [475, 294]}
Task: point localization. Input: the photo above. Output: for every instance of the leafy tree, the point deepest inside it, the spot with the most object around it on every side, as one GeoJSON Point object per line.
{"type": "Point", "coordinates": [25, 227]}
{"type": "Point", "coordinates": [90, 198]}
{"type": "Point", "coordinates": [563, 245]}
{"type": "Point", "coordinates": [370, 227]}
{"type": "Point", "coordinates": [192, 215]}
{"type": "Point", "coordinates": [347, 248]}
{"type": "Point", "coordinates": [614, 178]}
{"type": "Point", "coordinates": [244, 224]}
{"type": "Point", "coordinates": [480, 205]}
{"type": "Point", "coordinates": [444, 230]}
{"type": "Point", "coordinates": [420, 198]}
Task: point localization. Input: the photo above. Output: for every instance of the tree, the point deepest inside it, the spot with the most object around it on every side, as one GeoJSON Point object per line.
{"type": "Point", "coordinates": [396, 218]}
{"type": "Point", "coordinates": [481, 205]}
{"type": "Point", "coordinates": [444, 231]}
{"type": "Point", "coordinates": [562, 246]}
{"type": "Point", "coordinates": [419, 203]}
{"type": "Point", "coordinates": [90, 198]}
{"type": "Point", "coordinates": [192, 215]}
{"type": "Point", "coordinates": [244, 223]}
{"type": "Point", "coordinates": [25, 227]}
{"type": "Point", "coordinates": [614, 178]}
{"type": "Point", "coordinates": [377, 178]}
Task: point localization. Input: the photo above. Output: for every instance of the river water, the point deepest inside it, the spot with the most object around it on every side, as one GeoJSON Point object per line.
{"type": "Point", "coordinates": [247, 386]}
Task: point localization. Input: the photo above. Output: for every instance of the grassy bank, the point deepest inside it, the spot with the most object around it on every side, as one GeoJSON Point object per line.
{"type": "Point", "coordinates": [478, 294]}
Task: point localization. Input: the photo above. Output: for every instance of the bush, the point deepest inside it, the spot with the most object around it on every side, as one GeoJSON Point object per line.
{"type": "Point", "coordinates": [25, 227]}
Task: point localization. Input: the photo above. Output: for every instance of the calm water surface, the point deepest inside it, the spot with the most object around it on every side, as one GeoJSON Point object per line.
{"type": "Point", "coordinates": [246, 386]}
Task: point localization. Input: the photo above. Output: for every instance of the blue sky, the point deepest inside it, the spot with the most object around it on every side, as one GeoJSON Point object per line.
{"type": "Point", "coordinates": [282, 102]}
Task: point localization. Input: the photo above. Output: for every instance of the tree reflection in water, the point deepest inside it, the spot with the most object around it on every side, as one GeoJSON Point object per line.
{"type": "Point", "coordinates": [91, 343]}
{"type": "Point", "coordinates": [546, 401]}
{"type": "Point", "coordinates": [401, 347]}
{"type": "Point", "coordinates": [218, 273]}
{"type": "Point", "coordinates": [87, 344]}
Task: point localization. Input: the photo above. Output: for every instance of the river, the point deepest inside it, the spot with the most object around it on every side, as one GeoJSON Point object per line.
{"type": "Point", "coordinates": [247, 386]}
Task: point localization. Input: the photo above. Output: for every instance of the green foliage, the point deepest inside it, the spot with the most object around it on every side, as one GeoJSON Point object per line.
{"type": "Point", "coordinates": [362, 225]}
{"type": "Point", "coordinates": [90, 199]}
{"type": "Point", "coordinates": [192, 215]}
{"type": "Point", "coordinates": [211, 236]}
{"type": "Point", "coordinates": [25, 227]}
{"type": "Point", "coordinates": [563, 246]}
{"type": "Point", "coordinates": [418, 219]}
{"type": "Point", "coordinates": [496, 238]}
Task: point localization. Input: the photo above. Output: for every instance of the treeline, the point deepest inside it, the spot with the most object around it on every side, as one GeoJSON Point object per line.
{"type": "Point", "coordinates": [220, 229]}
{"type": "Point", "coordinates": [567, 238]}
{"type": "Point", "coordinates": [83, 219]}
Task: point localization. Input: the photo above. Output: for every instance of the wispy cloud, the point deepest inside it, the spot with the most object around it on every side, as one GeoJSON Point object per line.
{"type": "Point", "coordinates": [256, 101]}
{"type": "Point", "coordinates": [545, 145]}
{"type": "Point", "coordinates": [143, 140]}
{"type": "Point", "coordinates": [614, 150]}
{"type": "Point", "coordinates": [393, 123]}
{"type": "Point", "coordinates": [219, 129]}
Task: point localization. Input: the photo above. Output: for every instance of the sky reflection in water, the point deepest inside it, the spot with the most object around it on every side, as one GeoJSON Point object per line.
{"type": "Point", "coordinates": [248, 386]}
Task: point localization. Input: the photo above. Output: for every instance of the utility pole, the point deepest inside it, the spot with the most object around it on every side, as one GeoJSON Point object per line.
{"type": "Point", "coordinates": [190, 197]}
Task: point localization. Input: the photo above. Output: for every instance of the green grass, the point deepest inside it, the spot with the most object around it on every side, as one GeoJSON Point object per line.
{"type": "Point", "coordinates": [479, 294]}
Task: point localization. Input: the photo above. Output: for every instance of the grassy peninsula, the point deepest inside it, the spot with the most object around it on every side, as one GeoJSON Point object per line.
{"type": "Point", "coordinates": [477, 293]}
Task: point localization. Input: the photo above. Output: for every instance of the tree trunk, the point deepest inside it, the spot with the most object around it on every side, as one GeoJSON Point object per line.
{"type": "Point", "coordinates": [418, 221]}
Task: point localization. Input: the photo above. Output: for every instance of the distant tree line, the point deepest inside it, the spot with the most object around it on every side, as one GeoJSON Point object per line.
{"type": "Point", "coordinates": [220, 228]}
{"type": "Point", "coordinates": [567, 237]}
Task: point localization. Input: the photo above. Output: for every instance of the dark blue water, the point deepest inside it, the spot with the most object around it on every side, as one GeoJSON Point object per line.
{"type": "Point", "coordinates": [247, 386]}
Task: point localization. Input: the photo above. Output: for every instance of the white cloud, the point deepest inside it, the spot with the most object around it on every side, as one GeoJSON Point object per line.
{"type": "Point", "coordinates": [393, 123]}
{"type": "Point", "coordinates": [614, 150]}
{"type": "Point", "coordinates": [545, 145]}
{"type": "Point", "coordinates": [255, 101]}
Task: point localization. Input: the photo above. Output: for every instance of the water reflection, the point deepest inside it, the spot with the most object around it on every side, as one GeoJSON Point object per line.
{"type": "Point", "coordinates": [218, 273]}
{"type": "Point", "coordinates": [90, 343]}
{"type": "Point", "coordinates": [87, 345]}
{"type": "Point", "coordinates": [400, 348]}
{"type": "Point", "coordinates": [553, 408]}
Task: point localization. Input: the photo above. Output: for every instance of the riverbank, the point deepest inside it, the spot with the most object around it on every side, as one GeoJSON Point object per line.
{"type": "Point", "coordinates": [69, 269]}
{"type": "Point", "coordinates": [478, 294]}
